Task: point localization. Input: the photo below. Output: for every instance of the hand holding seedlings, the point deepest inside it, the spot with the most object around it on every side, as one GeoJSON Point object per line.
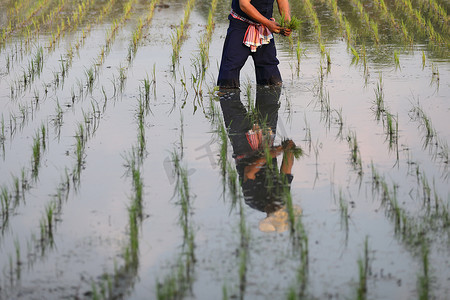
{"type": "Point", "coordinates": [288, 25]}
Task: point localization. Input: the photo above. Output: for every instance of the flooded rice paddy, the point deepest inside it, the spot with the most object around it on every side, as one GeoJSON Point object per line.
{"type": "Point", "coordinates": [117, 175]}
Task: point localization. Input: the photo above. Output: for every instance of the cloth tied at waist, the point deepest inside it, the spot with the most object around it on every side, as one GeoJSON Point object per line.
{"type": "Point", "coordinates": [256, 34]}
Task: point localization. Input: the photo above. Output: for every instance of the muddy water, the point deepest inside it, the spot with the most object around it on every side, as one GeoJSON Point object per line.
{"type": "Point", "coordinates": [92, 228]}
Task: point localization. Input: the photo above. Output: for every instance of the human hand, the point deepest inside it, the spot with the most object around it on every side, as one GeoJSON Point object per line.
{"type": "Point", "coordinates": [273, 26]}
{"type": "Point", "coordinates": [286, 31]}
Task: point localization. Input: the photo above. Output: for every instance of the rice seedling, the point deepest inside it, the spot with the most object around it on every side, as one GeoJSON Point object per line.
{"type": "Point", "coordinates": [339, 120]}
{"type": "Point", "coordinates": [90, 77]}
{"type": "Point", "coordinates": [423, 281]}
{"type": "Point", "coordinates": [363, 267]}
{"type": "Point", "coordinates": [435, 75]}
{"type": "Point", "coordinates": [391, 128]}
{"type": "Point", "coordinates": [137, 34]}
{"type": "Point", "coordinates": [154, 79]}
{"type": "Point", "coordinates": [225, 292]}
{"type": "Point", "coordinates": [80, 146]}
{"type": "Point", "coordinates": [243, 251]}
{"type": "Point", "coordinates": [423, 59]}
{"type": "Point", "coordinates": [141, 131]}
{"type": "Point", "coordinates": [16, 190]}
{"type": "Point", "coordinates": [2, 131]}
{"type": "Point", "coordinates": [146, 88]}
{"type": "Point", "coordinates": [18, 259]}
{"type": "Point", "coordinates": [343, 208]}
{"type": "Point", "coordinates": [396, 60]}
{"type": "Point", "coordinates": [122, 78]}
{"type": "Point", "coordinates": [355, 58]}
{"type": "Point", "coordinates": [298, 51]}
{"type": "Point", "coordinates": [307, 130]}
{"type": "Point", "coordinates": [355, 155]}
{"type": "Point", "coordinates": [424, 120]}
{"type": "Point", "coordinates": [36, 161]}
{"type": "Point", "coordinates": [5, 200]}
{"type": "Point", "coordinates": [223, 150]}
{"type": "Point", "coordinates": [379, 99]}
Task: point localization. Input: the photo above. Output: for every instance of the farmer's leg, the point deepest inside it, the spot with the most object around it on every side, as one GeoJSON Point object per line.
{"type": "Point", "coordinates": [234, 56]}
{"type": "Point", "coordinates": [266, 65]}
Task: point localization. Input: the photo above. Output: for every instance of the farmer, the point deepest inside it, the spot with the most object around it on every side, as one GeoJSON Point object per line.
{"type": "Point", "coordinates": [250, 33]}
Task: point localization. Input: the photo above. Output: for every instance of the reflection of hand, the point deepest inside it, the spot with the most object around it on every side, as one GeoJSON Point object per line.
{"type": "Point", "coordinates": [288, 156]}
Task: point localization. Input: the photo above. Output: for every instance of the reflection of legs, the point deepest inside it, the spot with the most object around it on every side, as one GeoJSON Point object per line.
{"type": "Point", "coordinates": [267, 105]}
{"type": "Point", "coordinates": [236, 119]}
{"type": "Point", "coordinates": [266, 65]}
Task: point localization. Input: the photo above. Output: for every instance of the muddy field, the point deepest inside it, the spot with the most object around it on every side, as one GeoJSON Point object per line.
{"type": "Point", "coordinates": [117, 175]}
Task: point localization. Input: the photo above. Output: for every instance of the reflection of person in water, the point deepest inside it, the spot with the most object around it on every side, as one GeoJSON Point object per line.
{"type": "Point", "coordinates": [252, 137]}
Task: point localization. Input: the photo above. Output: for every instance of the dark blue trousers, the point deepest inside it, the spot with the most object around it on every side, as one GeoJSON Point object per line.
{"type": "Point", "coordinates": [235, 54]}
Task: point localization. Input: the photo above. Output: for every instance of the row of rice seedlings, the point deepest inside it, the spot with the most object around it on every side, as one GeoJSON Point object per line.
{"type": "Point", "coordinates": [30, 12]}
{"type": "Point", "coordinates": [10, 197]}
{"type": "Point", "coordinates": [328, 114]}
{"type": "Point", "coordinates": [28, 76]}
{"type": "Point", "coordinates": [22, 83]}
{"type": "Point", "coordinates": [134, 161]}
{"type": "Point", "coordinates": [201, 61]}
{"type": "Point", "coordinates": [37, 247]}
{"type": "Point", "coordinates": [91, 73]}
{"type": "Point", "coordinates": [425, 124]}
{"type": "Point", "coordinates": [15, 266]}
{"type": "Point", "coordinates": [416, 18]}
{"type": "Point", "coordinates": [206, 40]}
{"type": "Point", "coordinates": [179, 282]}
{"type": "Point", "coordinates": [66, 62]}
{"type": "Point", "coordinates": [390, 122]}
{"type": "Point", "coordinates": [135, 210]}
{"type": "Point", "coordinates": [437, 12]}
{"type": "Point", "coordinates": [17, 23]}
{"type": "Point", "coordinates": [110, 286]}
{"type": "Point", "coordinates": [26, 41]}
{"type": "Point", "coordinates": [387, 14]}
{"type": "Point", "coordinates": [72, 23]}
{"type": "Point", "coordinates": [343, 22]}
{"type": "Point", "coordinates": [137, 34]}
{"type": "Point", "coordinates": [296, 227]}
{"type": "Point", "coordinates": [18, 7]}
{"type": "Point", "coordinates": [411, 230]}
{"type": "Point", "coordinates": [352, 34]}
{"type": "Point", "coordinates": [178, 35]}
{"type": "Point", "coordinates": [318, 30]}
{"type": "Point", "coordinates": [371, 24]}
{"type": "Point", "coordinates": [243, 251]}
{"type": "Point", "coordinates": [436, 210]}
